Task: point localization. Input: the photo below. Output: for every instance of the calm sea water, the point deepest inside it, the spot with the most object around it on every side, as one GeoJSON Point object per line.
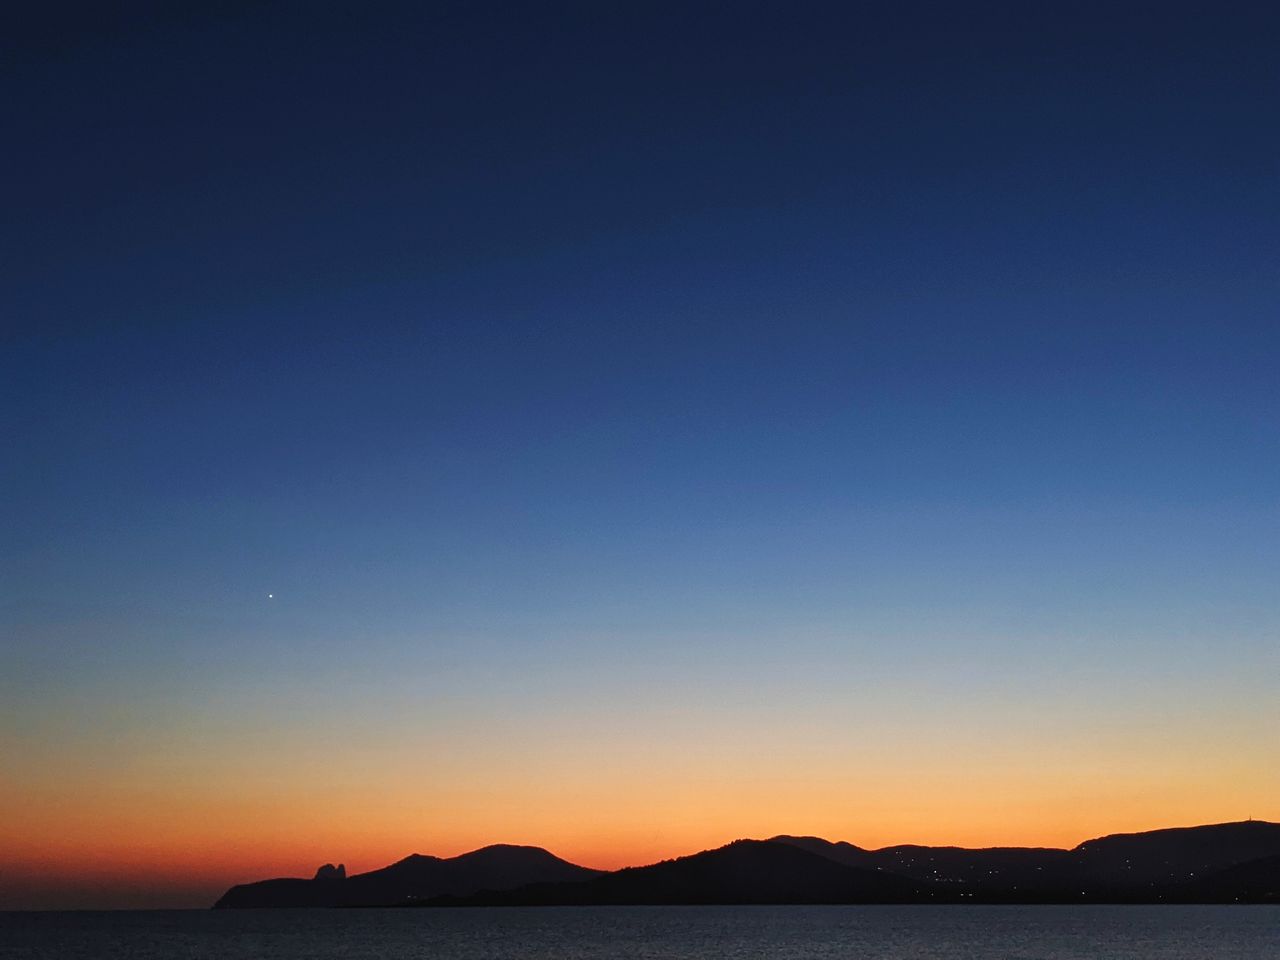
{"type": "Point", "coordinates": [654, 933]}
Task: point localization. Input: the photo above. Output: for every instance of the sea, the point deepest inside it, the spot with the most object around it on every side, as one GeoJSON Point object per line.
{"type": "Point", "coordinates": [654, 933]}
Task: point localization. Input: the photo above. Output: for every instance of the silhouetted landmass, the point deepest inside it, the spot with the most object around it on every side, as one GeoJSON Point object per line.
{"type": "Point", "coordinates": [1254, 881]}
{"type": "Point", "coordinates": [1157, 865]}
{"type": "Point", "coordinates": [1022, 868]}
{"type": "Point", "coordinates": [1180, 854]}
{"type": "Point", "coordinates": [745, 871]}
{"type": "Point", "coordinates": [1219, 863]}
{"type": "Point", "coordinates": [414, 877]}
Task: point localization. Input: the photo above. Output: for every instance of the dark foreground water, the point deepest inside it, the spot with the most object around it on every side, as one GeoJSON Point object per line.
{"type": "Point", "coordinates": [696, 933]}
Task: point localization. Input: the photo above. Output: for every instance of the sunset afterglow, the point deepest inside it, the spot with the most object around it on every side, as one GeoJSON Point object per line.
{"type": "Point", "coordinates": [628, 429]}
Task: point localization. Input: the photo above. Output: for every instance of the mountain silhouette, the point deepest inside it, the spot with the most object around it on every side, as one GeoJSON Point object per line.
{"type": "Point", "coordinates": [1254, 881]}
{"type": "Point", "coordinates": [1177, 855]}
{"type": "Point", "coordinates": [991, 868]}
{"type": "Point", "coordinates": [415, 877]}
{"type": "Point", "coordinates": [1216, 863]}
{"type": "Point", "coordinates": [1154, 865]}
{"type": "Point", "coordinates": [745, 871]}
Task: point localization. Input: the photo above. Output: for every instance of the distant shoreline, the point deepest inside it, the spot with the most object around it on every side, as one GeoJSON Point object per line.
{"type": "Point", "coordinates": [1228, 863]}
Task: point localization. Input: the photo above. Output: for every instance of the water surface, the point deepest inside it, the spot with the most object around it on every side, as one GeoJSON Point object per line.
{"type": "Point", "coordinates": [655, 933]}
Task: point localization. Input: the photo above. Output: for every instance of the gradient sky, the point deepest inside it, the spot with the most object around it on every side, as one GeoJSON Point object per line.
{"type": "Point", "coordinates": [657, 424]}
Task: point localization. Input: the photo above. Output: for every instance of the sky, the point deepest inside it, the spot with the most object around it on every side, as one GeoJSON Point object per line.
{"type": "Point", "coordinates": [623, 428]}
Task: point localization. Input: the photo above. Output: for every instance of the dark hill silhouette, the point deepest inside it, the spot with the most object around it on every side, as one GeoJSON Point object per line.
{"type": "Point", "coordinates": [993, 868]}
{"type": "Point", "coordinates": [1254, 881]}
{"type": "Point", "coordinates": [745, 871]}
{"type": "Point", "coordinates": [1224, 862]}
{"type": "Point", "coordinates": [840, 851]}
{"type": "Point", "coordinates": [415, 877]}
{"type": "Point", "coordinates": [1179, 854]}
{"type": "Point", "coordinates": [1155, 865]}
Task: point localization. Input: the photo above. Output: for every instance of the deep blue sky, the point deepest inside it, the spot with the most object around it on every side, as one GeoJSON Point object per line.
{"type": "Point", "coordinates": [534, 349]}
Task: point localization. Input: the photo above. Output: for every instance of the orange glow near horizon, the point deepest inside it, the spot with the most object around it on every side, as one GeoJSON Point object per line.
{"type": "Point", "coordinates": [275, 786]}
{"type": "Point", "coordinates": [198, 841]}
